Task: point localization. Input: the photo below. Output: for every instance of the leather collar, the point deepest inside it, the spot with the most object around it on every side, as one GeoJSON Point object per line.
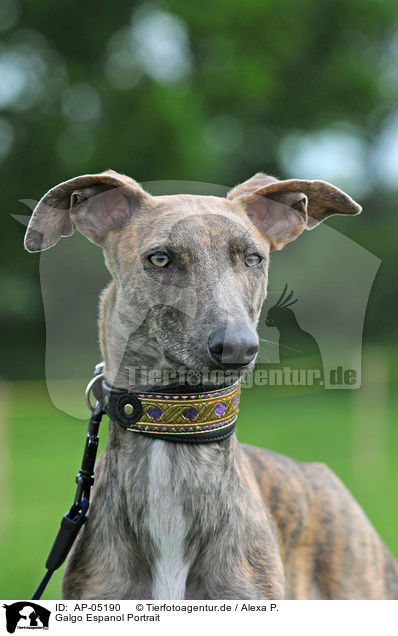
{"type": "Point", "coordinates": [196, 417]}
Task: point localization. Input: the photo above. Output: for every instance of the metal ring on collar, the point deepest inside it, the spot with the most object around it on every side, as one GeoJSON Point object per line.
{"type": "Point", "coordinates": [90, 385]}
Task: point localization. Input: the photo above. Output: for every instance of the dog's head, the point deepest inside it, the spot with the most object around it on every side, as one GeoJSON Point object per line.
{"type": "Point", "coordinates": [190, 272]}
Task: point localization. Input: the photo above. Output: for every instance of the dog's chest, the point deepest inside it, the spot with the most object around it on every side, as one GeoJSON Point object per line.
{"type": "Point", "coordinates": [167, 527]}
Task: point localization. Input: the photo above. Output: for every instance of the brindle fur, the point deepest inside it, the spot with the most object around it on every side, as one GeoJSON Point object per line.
{"type": "Point", "coordinates": [254, 524]}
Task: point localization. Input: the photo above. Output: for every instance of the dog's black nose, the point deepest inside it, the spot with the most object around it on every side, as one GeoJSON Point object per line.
{"type": "Point", "coordinates": [233, 346]}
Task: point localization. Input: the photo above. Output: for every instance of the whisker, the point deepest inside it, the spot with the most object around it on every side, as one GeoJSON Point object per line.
{"type": "Point", "coordinates": [270, 341]}
{"type": "Point", "coordinates": [280, 345]}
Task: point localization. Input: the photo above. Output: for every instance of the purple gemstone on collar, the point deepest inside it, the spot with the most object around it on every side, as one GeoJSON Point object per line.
{"type": "Point", "coordinates": [155, 412]}
{"type": "Point", "coordinates": [190, 413]}
{"type": "Point", "coordinates": [219, 410]}
{"type": "Point", "coordinates": [236, 400]}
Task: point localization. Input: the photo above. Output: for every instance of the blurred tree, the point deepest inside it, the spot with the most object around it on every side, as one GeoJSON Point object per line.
{"type": "Point", "coordinates": [210, 91]}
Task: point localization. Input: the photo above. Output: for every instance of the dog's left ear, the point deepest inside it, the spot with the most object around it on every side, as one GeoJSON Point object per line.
{"type": "Point", "coordinates": [95, 204]}
{"type": "Point", "coordinates": [282, 210]}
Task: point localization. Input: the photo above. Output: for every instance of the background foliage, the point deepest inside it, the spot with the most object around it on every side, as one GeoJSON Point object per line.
{"type": "Point", "coordinates": [211, 92]}
{"type": "Point", "coordinates": [214, 92]}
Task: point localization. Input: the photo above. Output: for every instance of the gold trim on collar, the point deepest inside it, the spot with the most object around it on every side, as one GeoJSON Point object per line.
{"type": "Point", "coordinates": [188, 414]}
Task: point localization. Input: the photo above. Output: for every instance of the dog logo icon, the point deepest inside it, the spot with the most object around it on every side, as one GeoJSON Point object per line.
{"type": "Point", "coordinates": [26, 615]}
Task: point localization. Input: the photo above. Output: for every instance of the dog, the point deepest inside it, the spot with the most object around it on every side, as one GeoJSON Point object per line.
{"type": "Point", "coordinates": [221, 519]}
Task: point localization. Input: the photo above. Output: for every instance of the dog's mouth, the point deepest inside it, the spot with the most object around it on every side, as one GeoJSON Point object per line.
{"type": "Point", "coordinates": [207, 377]}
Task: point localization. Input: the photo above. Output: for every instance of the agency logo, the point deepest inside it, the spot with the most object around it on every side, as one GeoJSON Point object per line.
{"type": "Point", "coordinates": [26, 615]}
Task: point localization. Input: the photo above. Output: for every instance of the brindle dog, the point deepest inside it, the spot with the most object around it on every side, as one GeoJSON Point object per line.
{"type": "Point", "coordinates": [210, 521]}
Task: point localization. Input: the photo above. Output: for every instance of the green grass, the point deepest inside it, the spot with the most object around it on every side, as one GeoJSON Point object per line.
{"type": "Point", "coordinates": [42, 447]}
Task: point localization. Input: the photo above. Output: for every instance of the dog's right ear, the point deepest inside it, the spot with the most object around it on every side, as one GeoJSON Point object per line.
{"type": "Point", "coordinates": [93, 203]}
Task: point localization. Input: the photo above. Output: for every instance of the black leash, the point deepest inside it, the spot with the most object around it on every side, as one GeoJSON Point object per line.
{"type": "Point", "coordinates": [74, 519]}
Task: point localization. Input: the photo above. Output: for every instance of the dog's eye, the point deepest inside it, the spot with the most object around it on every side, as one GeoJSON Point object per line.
{"type": "Point", "coordinates": [159, 259]}
{"type": "Point", "coordinates": [252, 260]}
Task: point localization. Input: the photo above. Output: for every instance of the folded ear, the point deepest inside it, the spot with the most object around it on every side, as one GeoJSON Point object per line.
{"type": "Point", "coordinates": [92, 203]}
{"type": "Point", "coordinates": [282, 210]}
